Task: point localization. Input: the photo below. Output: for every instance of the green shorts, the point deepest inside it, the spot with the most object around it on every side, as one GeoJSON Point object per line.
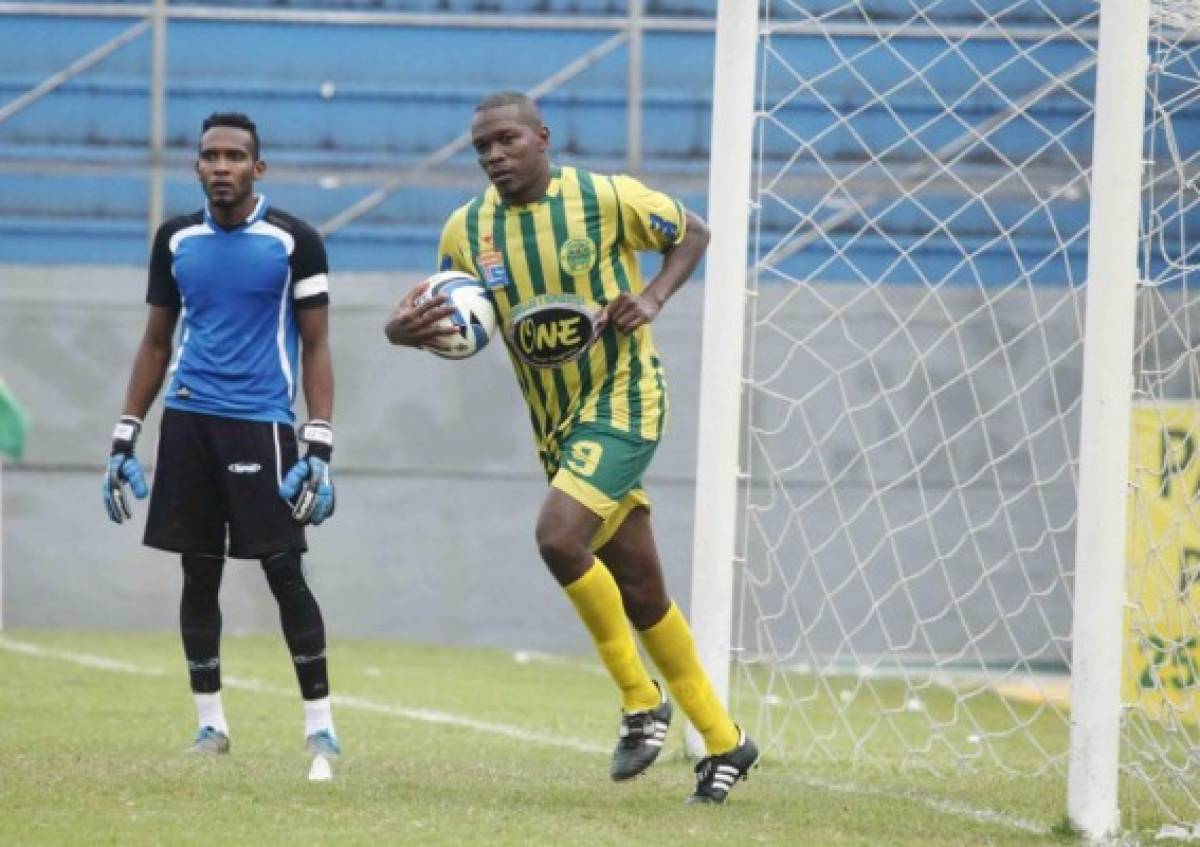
{"type": "Point", "coordinates": [602, 469]}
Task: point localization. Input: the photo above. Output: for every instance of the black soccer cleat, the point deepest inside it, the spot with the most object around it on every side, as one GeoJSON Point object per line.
{"type": "Point", "coordinates": [640, 739]}
{"type": "Point", "coordinates": [716, 775]}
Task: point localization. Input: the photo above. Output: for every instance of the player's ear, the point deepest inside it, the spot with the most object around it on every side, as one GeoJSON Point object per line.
{"type": "Point", "coordinates": [543, 138]}
{"type": "Point", "coordinates": [260, 168]}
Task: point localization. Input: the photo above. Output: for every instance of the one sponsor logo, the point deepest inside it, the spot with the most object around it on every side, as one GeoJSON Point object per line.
{"type": "Point", "coordinates": [491, 266]}
{"type": "Point", "coordinates": [183, 392]}
{"type": "Point", "coordinates": [577, 255]}
{"type": "Point", "coordinates": [245, 467]}
{"type": "Point", "coordinates": [552, 329]}
{"type": "Point", "coordinates": [670, 230]}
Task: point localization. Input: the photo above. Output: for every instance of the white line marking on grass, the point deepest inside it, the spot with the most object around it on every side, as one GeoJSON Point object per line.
{"type": "Point", "coordinates": [425, 716]}
{"type": "Point", "coordinates": [97, 662]}
{"type": "Point", "coordinates": [947, 807]}
{"type": "Point", "coordinates": [524, 657]}
{"type": "Point", "coordinates": [344, 700]}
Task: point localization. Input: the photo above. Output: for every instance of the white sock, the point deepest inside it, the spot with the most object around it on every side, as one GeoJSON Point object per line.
{"type": "Point", "coordinates": [210, 711]}
{"type": "Point", "coordinates": [318, 714]}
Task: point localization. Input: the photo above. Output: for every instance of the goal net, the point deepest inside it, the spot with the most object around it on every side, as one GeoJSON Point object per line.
{"type": "Point", "coordinates": [919, 238]}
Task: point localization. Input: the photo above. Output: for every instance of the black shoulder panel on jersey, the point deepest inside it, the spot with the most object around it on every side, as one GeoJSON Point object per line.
{"type": "Point", "coordinates": [161, 289]}
{"type": "Point", "coordinates": [308, 256]}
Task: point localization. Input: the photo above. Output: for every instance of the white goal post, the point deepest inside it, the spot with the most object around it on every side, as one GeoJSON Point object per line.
{"type": "Point", "coordinates": [1096, 637]}
{"type": "Point", "coordinates": [950, 393]}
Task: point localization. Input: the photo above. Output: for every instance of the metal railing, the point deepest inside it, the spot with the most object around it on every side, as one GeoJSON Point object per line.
{"type": "Point", "coordinates": [626, 30]}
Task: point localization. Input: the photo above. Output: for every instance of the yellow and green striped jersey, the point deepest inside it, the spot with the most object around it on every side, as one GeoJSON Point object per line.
{"type": "Point", "coordinates": [550, 266]}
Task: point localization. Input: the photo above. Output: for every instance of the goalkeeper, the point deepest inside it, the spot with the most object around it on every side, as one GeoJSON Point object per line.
{"type": "Point", "coordinates": [557, 249]}
{"type": "Point", "coordinates": [251, 284]}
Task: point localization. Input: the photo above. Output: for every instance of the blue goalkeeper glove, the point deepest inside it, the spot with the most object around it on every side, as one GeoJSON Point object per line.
{"type": "Point", "coordinates": [124, 468]}
{"type": "Point", "coordinates": [308, 486]}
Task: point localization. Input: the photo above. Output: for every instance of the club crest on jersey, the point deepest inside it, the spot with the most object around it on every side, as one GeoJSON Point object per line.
{"type": "Point", "coordinates": [491, 269]}
{"type": "Point", "coordinates": [577, 255]}
{"type": "Point", "coordinates": [552, 329]}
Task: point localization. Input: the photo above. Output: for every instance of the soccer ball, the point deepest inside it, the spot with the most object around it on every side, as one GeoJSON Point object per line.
{"type": "Point", "coordinates": [474, 316]}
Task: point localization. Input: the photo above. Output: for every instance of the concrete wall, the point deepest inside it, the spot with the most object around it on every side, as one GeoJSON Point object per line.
{"type": "Point", "coordinates": [912, 474]}
{"type": "Point", "coordinates": [438, 484]}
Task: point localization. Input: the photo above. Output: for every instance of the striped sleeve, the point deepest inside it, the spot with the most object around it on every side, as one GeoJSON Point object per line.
{"type": "Point", "coordinates": [652, 220]}
{"type": "Point", "coordinates": [454, 252]}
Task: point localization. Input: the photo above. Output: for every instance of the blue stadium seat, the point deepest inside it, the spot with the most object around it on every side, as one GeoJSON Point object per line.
{"type": "Point", "coordinates": [373, 98]}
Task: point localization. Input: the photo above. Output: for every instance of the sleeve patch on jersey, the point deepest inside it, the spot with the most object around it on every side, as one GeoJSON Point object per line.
{"type": "Point", "coordinates": [664, 226]}
{"type": "Point", "coordinates": [311, 287]}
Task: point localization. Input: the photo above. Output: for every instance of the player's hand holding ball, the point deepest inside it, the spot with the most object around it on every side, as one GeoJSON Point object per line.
{"type": "Point", "coordinates": [419, 319]}
{"type": "Point", "coordinates": [450, 315]}
{"type": "Point", "coordinates": [308, 486]}
{"type": "Point", "coordinates": [123, 469]}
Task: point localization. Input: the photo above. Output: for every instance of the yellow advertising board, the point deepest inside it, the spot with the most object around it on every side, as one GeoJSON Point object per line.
{"type": "Point", "coordinates": [1162, 610]}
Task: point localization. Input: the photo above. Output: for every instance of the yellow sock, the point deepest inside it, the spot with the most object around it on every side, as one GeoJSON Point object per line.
{"type": "Point", "coordinates": [669, 642]}
{"type": "Point", "coordinates": [598, 602]}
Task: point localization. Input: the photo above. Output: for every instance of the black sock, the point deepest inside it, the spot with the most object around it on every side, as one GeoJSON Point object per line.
{"type": "Point", "coordinates": [300, 616]}
{"type": "Point", "coordinates": [200, 621]}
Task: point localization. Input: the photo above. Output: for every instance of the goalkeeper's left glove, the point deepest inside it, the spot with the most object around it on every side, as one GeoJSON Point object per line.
{"type": "Point", "coordinates": [308, 486]}
{"type": "Point", "coordinates": [123, 467]}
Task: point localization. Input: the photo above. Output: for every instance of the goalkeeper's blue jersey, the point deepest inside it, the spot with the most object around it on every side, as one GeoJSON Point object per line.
{"type": "Point", "coordinates": [238, 290]}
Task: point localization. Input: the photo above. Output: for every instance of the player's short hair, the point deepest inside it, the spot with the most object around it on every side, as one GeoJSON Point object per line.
{"type": "Point", "coordinates": [236, 120]}
{"type": "Point", "coordinates": [525, 106]}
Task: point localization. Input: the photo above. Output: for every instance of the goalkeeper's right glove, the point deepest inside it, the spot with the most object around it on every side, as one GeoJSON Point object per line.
{"type": "Point", "coordinates": [123, 467]}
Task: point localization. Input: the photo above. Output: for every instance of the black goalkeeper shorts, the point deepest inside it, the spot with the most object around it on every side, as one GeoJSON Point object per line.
{"type": "Point", "coordinates": [216, 476]}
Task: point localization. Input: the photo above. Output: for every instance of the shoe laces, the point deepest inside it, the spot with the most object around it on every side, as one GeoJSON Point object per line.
{"type": "Point", "coordinates": [635, 728]}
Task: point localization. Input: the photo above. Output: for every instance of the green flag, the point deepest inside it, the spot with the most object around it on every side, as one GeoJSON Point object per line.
{"type": "Point", "coordinates": [13, 424]}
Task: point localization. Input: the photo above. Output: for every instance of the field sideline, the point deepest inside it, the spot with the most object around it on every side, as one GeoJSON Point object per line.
{"type": "Point", "coordinates": [443, 746]}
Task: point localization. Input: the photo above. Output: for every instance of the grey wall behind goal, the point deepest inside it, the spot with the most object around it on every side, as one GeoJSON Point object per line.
{"type": "Point", "coordinates": [438, 486]}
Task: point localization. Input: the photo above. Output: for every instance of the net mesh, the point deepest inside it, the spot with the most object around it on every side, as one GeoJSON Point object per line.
{"type": "Point", "coordinates": [913, 386]}
{"type": "Point", "coordinates": [1162, 628]}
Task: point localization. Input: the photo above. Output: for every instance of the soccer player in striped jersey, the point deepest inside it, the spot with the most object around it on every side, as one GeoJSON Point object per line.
{"type": "Point", "coordinates": [557, 249]}
{"type": "Point", "coordinates": [249, 283]}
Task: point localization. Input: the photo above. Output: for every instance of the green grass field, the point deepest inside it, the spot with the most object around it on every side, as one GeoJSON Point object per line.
{"type": "Point", "coordinates": [442, 746]}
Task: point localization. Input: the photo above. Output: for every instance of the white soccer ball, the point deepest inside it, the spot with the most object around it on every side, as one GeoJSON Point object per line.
{"type": "Point", "coordinates": [474, 316]}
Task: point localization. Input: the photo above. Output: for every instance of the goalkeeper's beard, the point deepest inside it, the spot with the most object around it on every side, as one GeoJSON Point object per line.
{"type": "Point", "coordinates": [227, 202]}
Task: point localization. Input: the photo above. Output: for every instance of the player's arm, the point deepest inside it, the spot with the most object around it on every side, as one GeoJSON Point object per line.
{"type": "Point", "coordinates": [654, 222]}
{"type": "Point", "coordinates": [316, 362]}
{"type": "Point", "coordinates": [150, 365]}
{"type": "Point", "coordinates": [629, 311]}
{"type": "Point", "coordinates": [151, 361]}
{"type": "Point", "coordinates": [149, 369]}
{"type": "Point", "coordinates": [308, 485]}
